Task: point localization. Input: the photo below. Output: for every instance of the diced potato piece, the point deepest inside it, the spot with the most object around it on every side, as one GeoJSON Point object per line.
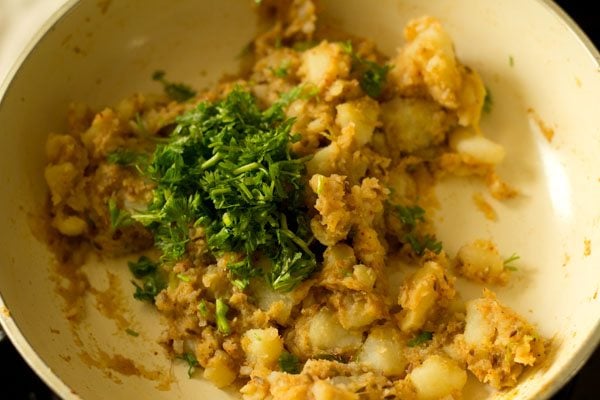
{"type": "Point", "coordinates": [418, 298]}
{"type": "Point", "coordinates": [481, 262]}
{"type": "Point", "coordinates": [363, 114]}
{"type": "Point", "coordinates": [471, 97]}
{"type": "Point", "coordinates": [327, 334]}
{"type": "Point", "coordinates": [323, 64]}
{"type": "Point", "coordinates": [262, 346]}
{"type": "Point", "coordinates": [277, 304]}
{"type": "Point", "coordinates": [334, 220]}
{"type": "Point", "coordinates": [364, 275]}
{"type": "Point", "coordinates": [357, 309]}
{"type": "Point", "coordinates": [61, 179]}
{"type": "Point", "coordinates": [322, 390]}
{"type": "Point", "coordinates": [427, 63]}
{"type": "Point", "coordinates": [411, 124]}
{"type": "Point", "coordinates": [219, 370]}
{"type": "Point", "coordinates": [69, 225]}
{"type": "Point", "coordinates": [466, 141]}
{"type": "Point", "coordinates": [497, 342]}
{"type": "Point", "coordinates": [382, 351]}
{"type": "Point", "coordinates": [477, 329]}
{"type": "Point", "coordinates": [323, 160]}
{"type": "Point", "coordinates": [438, 377]}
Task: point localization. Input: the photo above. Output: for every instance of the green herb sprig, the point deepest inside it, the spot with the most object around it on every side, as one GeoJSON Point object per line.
{"type": "Point", "coordinates": [153, 281]}
{"type": "Point", "coordinates": [192, 362]}
{"type": "Point", "coordinates": [289, 363]}
{"type": "Point", "coordinates": [420, 339]}
{"type": "Point", "coordinates": [410, 216]}
{"type": "Point", "coordinates": [177, 91]}
{"type": "Point", "coordinates": [508, 263]}
{"type": "Point", "coordinates": [228, 167]}
{"type": "Point", "coordinates": [372, 75]}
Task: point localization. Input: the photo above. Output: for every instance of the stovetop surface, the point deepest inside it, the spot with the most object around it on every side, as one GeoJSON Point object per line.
{"type": "Point", "coordinates": [18, 381]}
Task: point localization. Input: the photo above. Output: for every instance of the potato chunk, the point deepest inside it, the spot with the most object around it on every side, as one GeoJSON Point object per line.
{"type": "Point", "coordinates": [262, 347]}
{"type": "Point", "coordinates": [479, 149]}
{"type": "Point", "coordinates": [428, 289]}
{"type": "Point", "coordinates": [427, 63]}
{"type": "Point", "coordinates": [480, 261]}
{"type": "Point", "coordinates": [412, 124]}
{"type": "Point", "coordinates": [438, 377]}
{"type": "Point", "coordinates": [323, 64]}
{"type": "Point", "coordinates": [327, 335]}
{"type": "Point", "coordinates": [219, 370]}
{"type": "Point", "coordinates": [362, 114]}
{"type": "Point", "coordinates": [382, 351]}
{"type": "Point", "coordinates": [497, 342]}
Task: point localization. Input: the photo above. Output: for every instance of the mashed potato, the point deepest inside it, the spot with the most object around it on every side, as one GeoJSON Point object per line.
{"type": "Point", "coordinates": [380, 317]}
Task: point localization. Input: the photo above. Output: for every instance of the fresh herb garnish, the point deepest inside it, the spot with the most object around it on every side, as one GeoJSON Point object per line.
{"type": "Point", "coordinates": [488, 101]}
{"type": "Point", "coordinates": [126, 157]}
{"type": "Point", "coordinates": [221, 316]}
{"type": "Point", "coordinates": [228, 167]}
{"type": "Point", "coordinates": [131, 332]}
{"type": "Point", "coordinates": [177, 91]}
{"type": "Point", "coordinates": [303, 45]}
{"type": "Point", "coordinates": [142, 267]}
{"type": "Point", "coordinates": [151, 276]}
{"type": "Point", "coordinates": [330, 357]}
{"type": "Point", "coordinates": [410, 215]}
{"type": "Point", "coordinates": [420, 244]}
{"type": "Point", "coordinates": [202, 308]}
{"type": "Point", "coordinates": [192, 362]}
{"type": "Point", "coordinates": [420, 339]}
{"type": "Point", "coordinates": [508, 262]}
{"type": "Point", "coordinates": [372, 75]}
{"type": "Point", "coordinates": [289, 363]}
{"type": "Point", "coordinates": [282, 70]}
{"type": "Point", "coordinates": [118, 218]}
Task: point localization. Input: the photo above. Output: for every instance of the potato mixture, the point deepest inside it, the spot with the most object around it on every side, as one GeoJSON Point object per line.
{"type": "Point", "coordinates": [311, 269]}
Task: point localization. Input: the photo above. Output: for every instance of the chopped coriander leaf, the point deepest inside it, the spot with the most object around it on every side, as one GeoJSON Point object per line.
{"type": "Point", "coordinates": [151, 277]}
{"type": "Point", "coordinates": [177, 91]}
{"type": "Point", "coordinates": [420, 244]}
{"type": "Point", "coordinates": [372, 75]}
{"type": "Point", "coordinates": [282, 70]}
{"type": "Point", "coordinates": [304, 45]}
{"type": "Point", "coordinates": [118, 218]}
{"type": "Point", "coordinates": [488, 101]}
{"type": "Point", "coordinates": [131, 332]}
{"type": "Point", "coordinates": [228, 167]}
{"type": "Point", "coordinates": [289, 363]}
{"type": "Point", "coordinates": [125, 157]}
{"type": "Point", "coordinates": [183, 277]}
{"type": "Point", "coordinates": [330, 357]}
{"type": "Point", "coordinates": [347, 47]}
{"type": "Point", "coordinates": [202, 308]}
{"type": "Point", "coordinates": [221, 317]}
{"type": "Point", "coordinates": [151, 286]}
{"type": "Point", "coordinates": [142, 267]}
{"type": "Point", "coordinates": [508, 262]}
{"type": "Point", "coordinates": [192, 362]}
{"type": "Point", "coordinates": [410, 216]}
{"type": "Point", "coordinates": [421, 338]}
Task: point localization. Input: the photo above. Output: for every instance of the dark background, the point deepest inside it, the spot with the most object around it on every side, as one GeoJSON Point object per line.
{"type": "Point", "coordinates": [19, 382]}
